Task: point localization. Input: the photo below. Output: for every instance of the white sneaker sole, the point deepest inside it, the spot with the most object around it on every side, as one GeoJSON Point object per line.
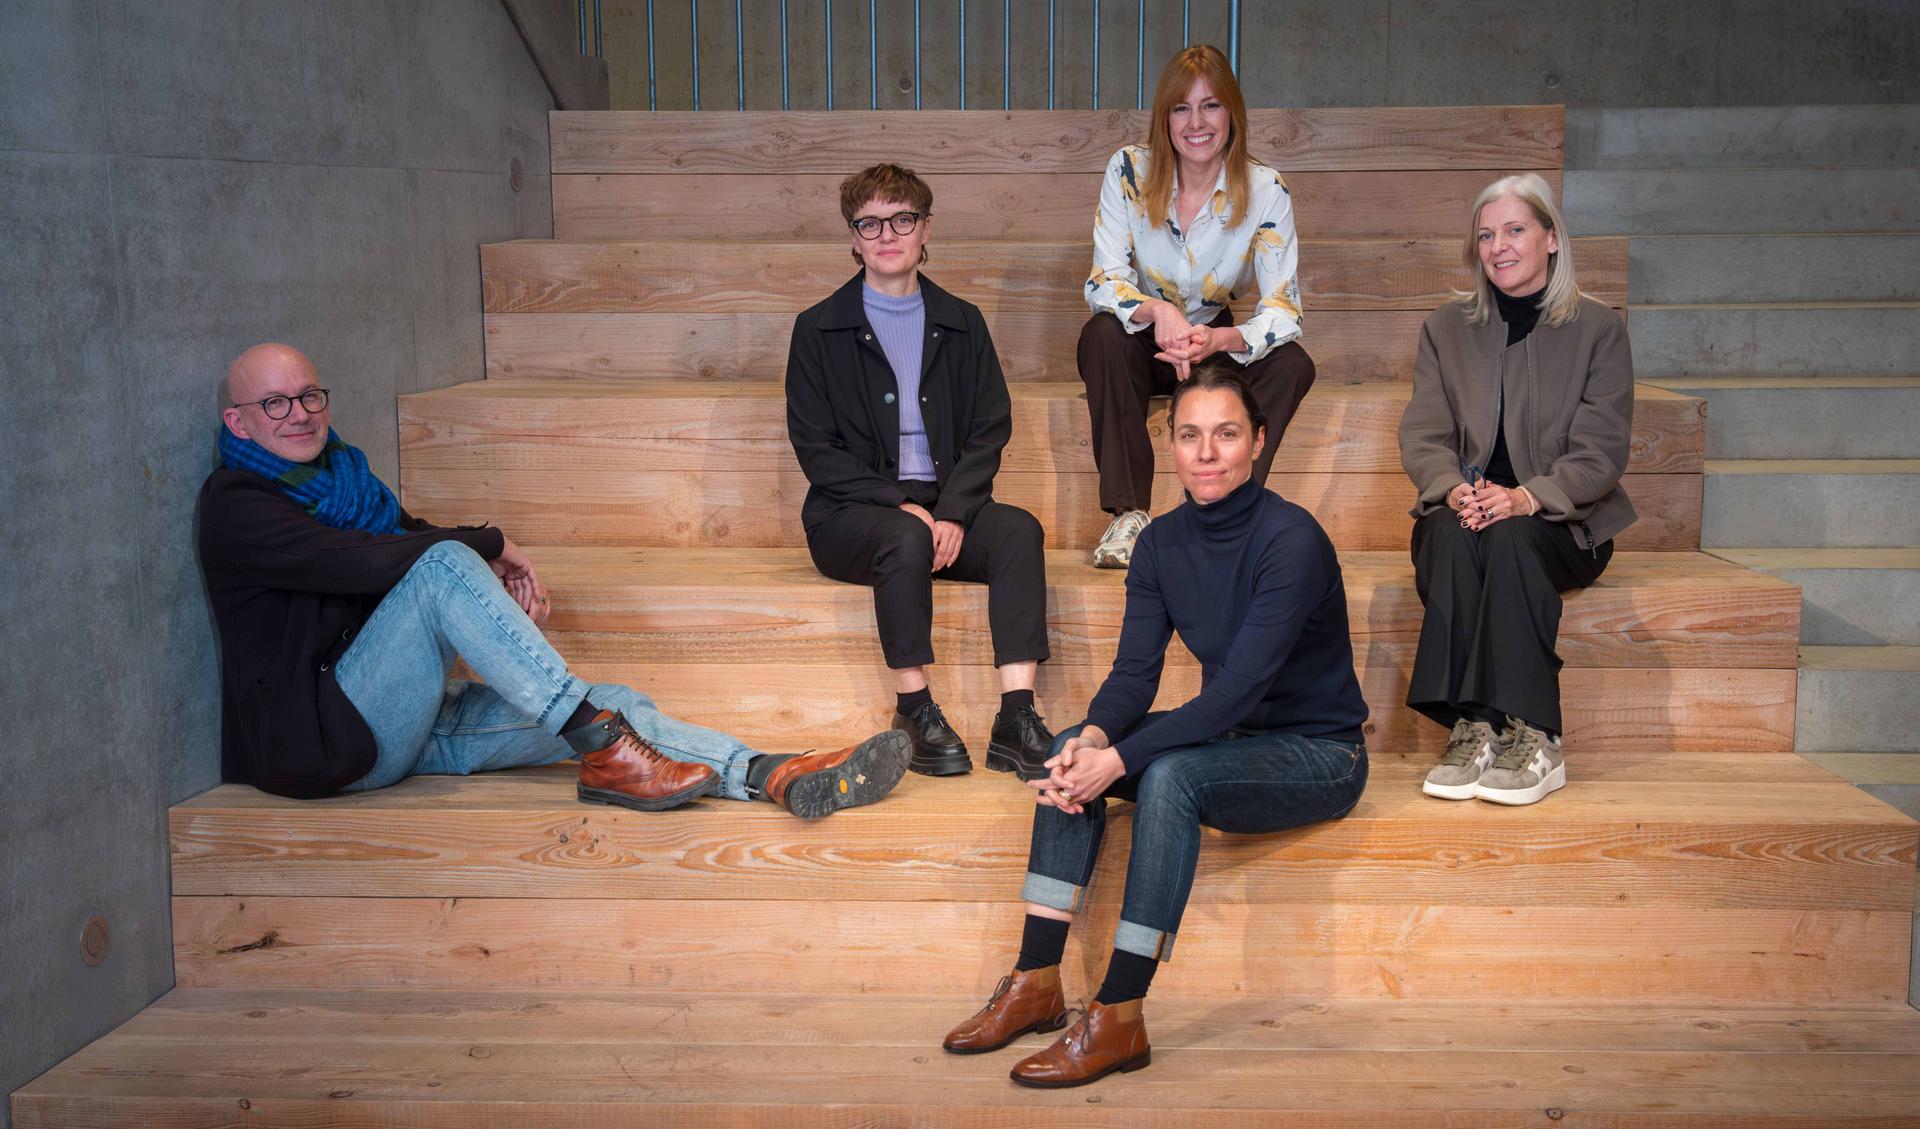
{"type": "Point", "coordinates": [1555, 780]}
{"type": "Point", "coordinates": [1449, 791]}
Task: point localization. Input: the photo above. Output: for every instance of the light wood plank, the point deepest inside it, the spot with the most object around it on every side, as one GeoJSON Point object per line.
{"type": "Point", "coordinates": [676, 425]}
{"type": "Point", "coordinates": [1033, 206]}
{"type": "Point", "coordinates": [829, 703]}
{"type": "Point", "coordinates": [1821, 558]}
{"type": "Point", "coordinates": [1031, 141]}
{"type": "Point", "coordinates": [545, 276]}
{"type": "Point", "coordinates": [610, 495]}
{"type": "Point", "coordinates": [1884, 659]}
{"type": "Point", "coordinates": [1228, 948]}
{"type": "Point", "coordinates": [1347, 346]}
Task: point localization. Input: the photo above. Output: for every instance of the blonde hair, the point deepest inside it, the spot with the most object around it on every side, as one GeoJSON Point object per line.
{"type": "Point", "coordinates": [1198, 61]}
{"type": "Point", "coordinates": [1561, 303]}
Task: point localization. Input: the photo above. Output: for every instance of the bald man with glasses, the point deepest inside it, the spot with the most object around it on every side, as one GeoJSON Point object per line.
{"type": "Point", "coordinates": [340, 615]}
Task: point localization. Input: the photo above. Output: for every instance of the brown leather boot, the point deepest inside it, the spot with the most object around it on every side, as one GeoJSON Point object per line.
{"type": "Point", "coordinates": [630, 772]}
{"type": "Point", "coordinates": [815, 784]}
{"type": "Point", "coordinates": [1110, 1037]}
{"type": "Point", "coordinates": [1024, 1001]}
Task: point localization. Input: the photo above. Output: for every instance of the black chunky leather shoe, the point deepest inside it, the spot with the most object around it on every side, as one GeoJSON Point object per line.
{"type": "Point", "coordinates": [1020, 744]}
{"type": "Point", "coordinates": [937, 749]}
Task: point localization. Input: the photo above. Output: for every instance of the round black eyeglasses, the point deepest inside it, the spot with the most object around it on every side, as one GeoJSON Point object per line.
{"type": "Point", "coordinates": [902, 223]}
{"type": "Point", "coordinates": [314, 400]}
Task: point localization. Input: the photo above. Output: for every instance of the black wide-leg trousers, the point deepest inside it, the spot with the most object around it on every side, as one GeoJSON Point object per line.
{"type": "Point", "coordinates": [1121, 376]}
{"type": "Point", "coordinates": [1492, 616]}
{"type": "Point", "coordinates": [892, 550]}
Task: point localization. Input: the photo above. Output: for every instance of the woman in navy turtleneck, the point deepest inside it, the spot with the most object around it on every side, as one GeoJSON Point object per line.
{"type": "Point", "coordinates": [1272, 741]}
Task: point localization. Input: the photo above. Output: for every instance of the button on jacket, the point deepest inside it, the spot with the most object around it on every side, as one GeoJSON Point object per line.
{"type": "Point", "coordinates": [843, 415]}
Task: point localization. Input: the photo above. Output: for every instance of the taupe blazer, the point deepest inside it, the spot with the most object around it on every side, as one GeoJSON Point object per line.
{"type": "Point", "coordinates": [1565, 396]}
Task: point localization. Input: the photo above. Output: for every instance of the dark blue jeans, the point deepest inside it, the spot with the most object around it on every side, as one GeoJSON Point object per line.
{"type": "Point", "coordinates": [1244, 784]}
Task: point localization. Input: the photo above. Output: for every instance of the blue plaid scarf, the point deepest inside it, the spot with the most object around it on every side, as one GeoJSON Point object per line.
{"type": "Point", "coordinates": [336, 488]}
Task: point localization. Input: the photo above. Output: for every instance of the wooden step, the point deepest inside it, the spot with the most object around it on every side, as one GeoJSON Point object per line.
{"type": "Point", "coordinates": [1051, 141]}
{"type": "Point", "coordinates": [1367, 204]}
{"type": "Point", "coordinates": [563, 1060]}
{"type": "Point", "coordinates": [575, 463]}
{"type": "Point", "coordinates": [1760, 876]}
{"type": "Point", "coordinates": [758, 277]}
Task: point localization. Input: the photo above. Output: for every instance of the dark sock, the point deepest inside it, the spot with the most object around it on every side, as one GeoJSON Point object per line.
{"type": "Point", "coordinates": [1014, 699]}
{"type": "Point", "coordinates": [1042, 943]}
{"type": "Point", "coordinates": [1129, 975]}
{"type": "Point", "coordinates": [581, 715]}
{"type": "Point", "coordinates": [907, 703]}
{"type": "Point", "coordinates": [761, 767]}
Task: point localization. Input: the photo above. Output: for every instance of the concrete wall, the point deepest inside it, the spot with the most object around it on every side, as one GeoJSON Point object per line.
{"type": "Point", "coordinates": [179, 180]}
{"type": "Point", "coordinates": [1292, 52]}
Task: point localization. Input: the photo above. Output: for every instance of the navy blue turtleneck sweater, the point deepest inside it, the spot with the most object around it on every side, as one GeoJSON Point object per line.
{"type": "Point", "coordinates": [1252, 585]}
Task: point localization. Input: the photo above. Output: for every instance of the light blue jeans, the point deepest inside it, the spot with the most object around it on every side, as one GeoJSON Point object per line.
{"type": "Point", "coordinates": [450, 604]}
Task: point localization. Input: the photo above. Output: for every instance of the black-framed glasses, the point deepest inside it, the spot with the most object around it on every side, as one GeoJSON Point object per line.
{"type": "Point", "coordinates": [902, 223]}
{"type": "Point", "coordinates": [314, 400]}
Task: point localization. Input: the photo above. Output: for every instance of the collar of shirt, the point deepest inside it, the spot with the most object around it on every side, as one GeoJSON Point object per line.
{"type": "Point", "coordinates": [1212, 208]}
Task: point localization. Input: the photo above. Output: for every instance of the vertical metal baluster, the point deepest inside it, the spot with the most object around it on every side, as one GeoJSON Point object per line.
{"type": "Point", "coordinates": [739, 56]}
{"type": "Point", "coordinates": [1140, 57]}
{"type": "Point", "coordinates": [1233, 35]}
{"type": "Point", "coordinates": [786, 93]}
{"type": "Point", "coordinates": [1006, 54]}
{"type": "Point", "coordinates": [873, 57]}
{"type": "Point", "coordinates": [1049, 54]}
{"type": "Point", "coordinates": [829, 6]}
{"type": "Point", "coordinates": [581, 10]}
{"type": "Point", "coordinates": [1096, 54]}
{"type": "Point", "coordinates": [963, 54]}
{"type": "Point", "coordinates": [916, 54]}
{"type": "Point", "coordinates": [599, 46]}
{"type": "Point", "coordinates": [693, 9]}
{"type": "Point", "coordinates": [1186, 22]}
{"type": "Point", "coordinates": [653, 100]}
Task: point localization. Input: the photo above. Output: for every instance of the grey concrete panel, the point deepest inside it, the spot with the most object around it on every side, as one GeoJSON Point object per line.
{"type": "Point", "coordinates": [1783, 52]}
{"type": "Point", "coordinates": [1743, 137]}
{"type": "Point", "coordinates": [1310, 53]}
{"type": "Point", "coordinates": [1811, 422]}
{"type": "Point", "coordinates": [81, 818]}
{"type": "Point", "coordinates": [1774, 268]}
{"type": "Point", "coordinates": [453, 213]}
{"type": "Point", "coordinates": [1866, 711]}
{"type": "Point", "coordinates": [1810, 510]}
{"type": "Point", "coordinates": [471, 97]}
{"type": "Point", "coordinates": [1811, 342]}
{"type": "Point", "coordinates": [1854, 607]}
{"type": "Point", "coordinates": [319, 82]}
{"type": "Point", "coordinates": [50, 78]}
{"type": "Point", "coordinates": [1742, 201]}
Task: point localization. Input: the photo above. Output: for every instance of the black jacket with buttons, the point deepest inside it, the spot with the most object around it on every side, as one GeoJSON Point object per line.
{"type": "Point", "coordinates": [844, 421]}
{"type": "Point", "coordinates": [289, 596]}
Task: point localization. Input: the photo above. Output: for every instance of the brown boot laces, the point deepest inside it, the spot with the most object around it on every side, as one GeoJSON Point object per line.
{"type": "Point", "coordinates": [640, 744]}
{"type": "Point", "coordinates": [999, 993]}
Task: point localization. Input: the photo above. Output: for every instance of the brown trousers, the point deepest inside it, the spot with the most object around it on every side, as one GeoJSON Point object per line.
{"type": "Point", "coordinates": [1121, 375]}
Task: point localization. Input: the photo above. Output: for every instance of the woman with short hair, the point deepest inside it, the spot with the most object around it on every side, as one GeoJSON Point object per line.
{"type": "Point", "coordinates": [1188, 225]}
{"type": "Point", "coordinates": [1516, 436]}
{"type": "Point", "coordinates": [1272, 741]}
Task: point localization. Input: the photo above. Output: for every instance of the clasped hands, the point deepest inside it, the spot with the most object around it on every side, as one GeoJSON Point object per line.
{"type": "Point", "coordinates": [1184, 345]}
{"type": "Point", "coordinates": [521, 582]}
{"type": "Point", "coordinates": [947, 535]}
{"type": "Point", "coordinates": [1482, 505]}
{"type": "Point", "coordinates": [1084, 768]}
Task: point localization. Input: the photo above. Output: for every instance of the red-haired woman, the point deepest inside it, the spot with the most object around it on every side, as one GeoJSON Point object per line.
{"type": "Point", "coordinates": [1188, 224]}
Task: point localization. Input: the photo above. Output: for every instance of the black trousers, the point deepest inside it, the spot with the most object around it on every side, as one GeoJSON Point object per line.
{"type": "Point", "coordinates": [1121, 375]}
{"type": "Point", "coordinates": [1492, 616]}
{"type": "Point", "coordinates": [892, 550]}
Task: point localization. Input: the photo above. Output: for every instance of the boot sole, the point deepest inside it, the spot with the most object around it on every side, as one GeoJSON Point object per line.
{"type": "Point", "coordinates": [622, 800]}
{"type": "Point", "coordinates": [1044, 1027]}
{"type": "Point", "coordinates": [1138, 1062]}
{"type": "Point", "coordinates": [1002, 759]}
{"type": "Point", "coordinates": [949, 764]}
{"type": "Point", "coordinates": [867, 775]}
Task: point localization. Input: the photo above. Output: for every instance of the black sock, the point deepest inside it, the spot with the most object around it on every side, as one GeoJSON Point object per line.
{"type": "Point", "coordinates": [581, 715]}
{"type": "Point", "coordinates": [1129, 975]}
{"type": "Point", "coordinates": [1014, 699]}
{"type": "Point", "coordinates": [1042, 943]}
{"type": "Point", "coordinates": [761, 767]}
{"type": "Point", "coordinates": [907, 703]}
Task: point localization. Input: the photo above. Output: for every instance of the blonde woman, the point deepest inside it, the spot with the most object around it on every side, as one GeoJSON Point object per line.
{"type": "Point", "coordinates": [1516, 436]}
{"type": "Point", "coordinates": [1188, 225]}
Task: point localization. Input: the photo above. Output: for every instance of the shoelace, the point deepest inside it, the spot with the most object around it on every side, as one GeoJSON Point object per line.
{"type": "Point", "coordinates": [1526, 742]}
{"type": "Point", "coordinates": [1462, 749]}
{"type": "Point", "coordinates": [641, 744]}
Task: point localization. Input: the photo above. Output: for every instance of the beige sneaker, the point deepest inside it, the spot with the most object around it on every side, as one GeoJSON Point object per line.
{"type": "Point", "coordinates": [1527, 769]}
{"type": "Point", "coordinates": [1470, 750]}
{"type": "Point", "coordinates": [1115, 549]}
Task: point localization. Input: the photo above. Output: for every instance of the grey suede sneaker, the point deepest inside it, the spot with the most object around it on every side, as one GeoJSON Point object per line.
{"type": "Point", "coordinates": [1528, 767]}
{"type": "Point", "coordinates": [1115, 549]}
{"type": "Point", "coordinates": [1469, 751]}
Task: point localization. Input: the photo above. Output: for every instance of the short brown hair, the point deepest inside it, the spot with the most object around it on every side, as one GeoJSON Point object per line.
{"type": "Point", "coordinates": [884, 182]}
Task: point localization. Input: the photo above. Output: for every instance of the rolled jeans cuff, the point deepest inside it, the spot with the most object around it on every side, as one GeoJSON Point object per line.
{"type": "Point", "coordinates": [1053, 893]}
{"type": "Point", "coordinates": [1139, 940]}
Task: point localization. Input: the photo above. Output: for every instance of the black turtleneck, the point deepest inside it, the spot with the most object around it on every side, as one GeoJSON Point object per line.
{"type": "Point", "coordinates": [1521, 315]}
{"type": "Point", "coordinates": [1252, 585]}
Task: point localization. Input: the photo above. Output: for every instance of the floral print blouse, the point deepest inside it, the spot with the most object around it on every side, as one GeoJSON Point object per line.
{"type": "Point", "coordinates": [1204, 269]}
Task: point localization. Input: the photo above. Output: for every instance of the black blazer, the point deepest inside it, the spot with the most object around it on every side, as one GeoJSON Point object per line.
{"type": "Point", "coordinates": [289, 596]}
{"type": "Point", "coordinates": [844, 421]}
